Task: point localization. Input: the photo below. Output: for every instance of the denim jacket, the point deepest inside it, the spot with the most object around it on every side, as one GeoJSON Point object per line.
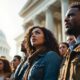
{"type": "Point", "coordinates": [46, 67]}
{"type": "Point", "coordinates": [19, 73]}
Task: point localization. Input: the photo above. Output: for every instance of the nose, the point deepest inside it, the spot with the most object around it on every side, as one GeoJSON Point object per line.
{"type": "Point", "coordinates": [33, 35]}
{"type": "Point", "coordinates": [66, 19]}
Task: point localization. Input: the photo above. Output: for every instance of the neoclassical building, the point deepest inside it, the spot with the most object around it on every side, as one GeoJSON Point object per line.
{"type": "Point", "coordinates": [19, 40]}
{"type": "Point", "coordinates": [4, 47]}
{"type": "Point", "coordinates": [46, 13]}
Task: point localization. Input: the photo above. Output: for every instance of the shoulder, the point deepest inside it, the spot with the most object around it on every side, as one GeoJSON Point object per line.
{"type": "Point", "coordinates": [52, 60]}
{"type": "Point", "coordinates": [52, 56]}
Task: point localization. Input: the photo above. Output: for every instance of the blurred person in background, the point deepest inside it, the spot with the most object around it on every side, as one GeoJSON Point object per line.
{"type": "Point", "coordinates": [63, 47]}
{"type": "Point", "coordinates": [15, 62]}
{"type": "Point", "coordinates": [23, 65]}
{"type": "Point", "coordinates": [5, 69]}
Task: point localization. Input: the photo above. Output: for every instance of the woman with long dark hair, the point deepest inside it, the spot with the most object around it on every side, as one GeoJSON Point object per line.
{"type": "Point", "coordinates": [5, 69]}
{"type": "Point", "coordinates": [44, 60]}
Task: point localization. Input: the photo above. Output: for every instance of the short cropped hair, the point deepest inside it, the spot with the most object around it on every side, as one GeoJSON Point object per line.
{"type": "Point", "coordinates": [18, 57]}
{"type": "Point", "coordinates": [75, 5]}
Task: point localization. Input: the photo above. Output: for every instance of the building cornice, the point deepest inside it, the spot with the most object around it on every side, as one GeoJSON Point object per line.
{"type": "Point", "coordinates": [40, 8]}
{"type": "Point", "coordinates": [30, 4]}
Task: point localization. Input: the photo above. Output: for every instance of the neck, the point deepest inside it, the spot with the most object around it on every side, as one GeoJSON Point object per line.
{"type": "Point", "coordinates": [38, 47]}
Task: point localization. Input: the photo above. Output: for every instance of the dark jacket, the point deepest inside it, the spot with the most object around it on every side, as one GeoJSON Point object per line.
{"type": "Point", "coordinates": [45, 67]}
{"type": "Point", "coordinates": [70, 68]}
{"type": "Point", "coordinates": [19, 73]}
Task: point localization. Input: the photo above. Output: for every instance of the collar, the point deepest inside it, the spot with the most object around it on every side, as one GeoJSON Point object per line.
{"type": "Point", "coordinates": [78, 40]}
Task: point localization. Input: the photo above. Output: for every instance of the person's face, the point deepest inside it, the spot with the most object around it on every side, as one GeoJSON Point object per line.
{"type": "Point", "coordinates": [1, 65]}
{"type": "Point", "coordinates": [16, 62]}
{"type": "Point", "coordinates": [62, 48]}
{"type": "Point", "coordinates": [72, 21]}
{"type": "Point", "coordinates": [37, 38]}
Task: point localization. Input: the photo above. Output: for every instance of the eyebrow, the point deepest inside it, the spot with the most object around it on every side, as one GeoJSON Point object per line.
{"type": "Point", "coordinates": [36, 31]}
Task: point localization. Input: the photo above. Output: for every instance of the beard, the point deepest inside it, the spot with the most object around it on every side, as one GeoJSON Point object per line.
{"type": "Point", "coordinates": [73, 31]}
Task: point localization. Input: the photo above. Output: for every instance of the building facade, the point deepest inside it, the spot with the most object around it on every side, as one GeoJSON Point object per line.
{"type": "Point", "coordinates": [4, 47]}
{"type": "Point", "coordinates": [46, 13]}
{"type": "Point", "coordinates": [19, 40]}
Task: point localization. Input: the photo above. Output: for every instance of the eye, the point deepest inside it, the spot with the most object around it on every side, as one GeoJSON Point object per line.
{"type": "Point", "coordinates": [37, 32]}
{"type": "Point", "coordinates": [71, 15]}
{"type": "Point", "coordinates": [62, 47]}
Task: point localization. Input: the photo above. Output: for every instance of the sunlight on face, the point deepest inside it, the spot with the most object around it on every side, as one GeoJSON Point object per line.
{"type": "Point", "coordinates": [37, 37]}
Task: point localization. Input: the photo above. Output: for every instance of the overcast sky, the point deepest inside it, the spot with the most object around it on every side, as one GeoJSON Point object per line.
{"type": "Point", "coordinates": [10, 21]}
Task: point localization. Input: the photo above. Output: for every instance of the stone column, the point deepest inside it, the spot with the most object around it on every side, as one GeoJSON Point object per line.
{"type": "Point", "coordinates": [2, 50]}
{"type": "Point", "coordinates": [35, 21]}
{"type": "Point", "coordinates": [49, 20]}
{"type": "Point", "coordinates": [64, 7]}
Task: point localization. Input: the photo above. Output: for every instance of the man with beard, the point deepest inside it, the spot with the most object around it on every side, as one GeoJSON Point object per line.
{"type": "Point", "coordinates": [23, 66]}
{"type": "Point", "coordinates": [70, 70]}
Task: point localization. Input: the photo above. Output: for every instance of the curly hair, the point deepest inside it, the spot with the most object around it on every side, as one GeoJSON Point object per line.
{"type": "Point", "coordinates": [6, 67]}
{"type": "Point", "coordinates": [50, 41]}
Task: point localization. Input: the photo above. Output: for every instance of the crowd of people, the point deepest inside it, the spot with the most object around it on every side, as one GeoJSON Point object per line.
{"type": "Point", "coordinates": [45, 59]}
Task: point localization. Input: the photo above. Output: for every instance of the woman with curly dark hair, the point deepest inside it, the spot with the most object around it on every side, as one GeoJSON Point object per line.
{"type": "Point", "coordinates": [5, 69]}
{"type": "Point", "coordinates": [44, 60]}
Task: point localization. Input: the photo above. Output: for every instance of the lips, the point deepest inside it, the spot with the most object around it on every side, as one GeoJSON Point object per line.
{"type": "Point", "coordinates": [33, 40]}
{"type": "Point", "coordinates": [67, 25]}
